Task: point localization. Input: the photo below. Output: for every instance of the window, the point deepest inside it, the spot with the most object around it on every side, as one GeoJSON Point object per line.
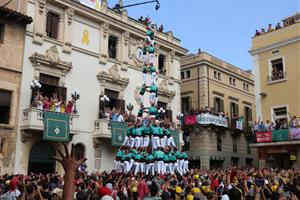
{"type": "Point", "coordinates": [52, 25]}
{"type": "Point", "coordinates": [230, 80]}
{"type": "Point", "coordinates": [280, 113]}
{"type": "Point", "coordinates": [50, 86]}
{"type": "Point", "coordinates": [233, 81]}
{"type": "Point", "coordinates": [219, 75]}
{"type": "Point", "coordinates": [3, 147]}
{"type": "Point", "coordinates": [215, 75]}
{"type": "Point", "coordinates": [248, 114]}
{"type": "Point", "coordinates": [246, 86]}
{"type": "Point", "coordinates": [188, 74]}
{"type": "Point", "coordinates": [182, 75]}
{"type": "Point", "coordinates": [234, 110]}
{"type": "Point", "coordinates": [112, 47]}
{"type": "Point", "coordinates": [234, 144]}
{"type": "Point", "coordinates": [277, 72]}
{"type": "Point", "coordinates": [5, 99]}
{"type": "Point", "coordinates": [185, 104]}
{"type": "Point", "coordinates": [2, 26]}
{"type": "Point", "coordinates": [219, 143]}
{"type": "Point", "coordinates": [235, 161]}
{"type": "Point", "coordinates": [79, 151]}
{"type": "Point", "coordinates": [161, 64]}
{"type": "Point", "coordinates": [218, 104]}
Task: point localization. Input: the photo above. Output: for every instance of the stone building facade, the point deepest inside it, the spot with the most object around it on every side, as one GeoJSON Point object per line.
{"type": "Point", "coordinates": [210, 83]}
{"type": "Point", "coordinates": [97, 51]}
{"type": "Point", "coordinates": [12, 35]}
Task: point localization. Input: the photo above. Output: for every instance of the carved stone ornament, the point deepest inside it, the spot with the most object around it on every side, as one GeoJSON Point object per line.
{"type": "Point", "coordinates": [113, 76]}
{"type": "Point", "coordinates": [172, 55]}
{"type": "Point", "coordinates": [126, 37]}
{"type": "Point", "coordinates": [50, 59]}
{"type": "Point", "coordinates": [170, 35]}
{"type": "Point", "coordinates": [105, 27]}
{"type": "Point", "coordinates": [70, 14]}
{"type": "Point", "coordinates": [156, 47]}
{"type": "Point", "coordinates": [42, 4]}
{"type": "Point", "coordinates": [164, 90]}
{"type": "Point", "coordinates": [104, 5]}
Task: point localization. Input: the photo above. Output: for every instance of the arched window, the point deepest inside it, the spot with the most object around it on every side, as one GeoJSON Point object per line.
{"type": "Point", "coordinates": [79, 151]}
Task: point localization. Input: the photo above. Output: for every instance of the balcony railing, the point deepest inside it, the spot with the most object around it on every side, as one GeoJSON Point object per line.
{"type": "Point", "coordinates": [102, 128]}
{"type": "Point", "coordinates": [33, 120]}
{"type": "Point", "coordinates": [274, 79]}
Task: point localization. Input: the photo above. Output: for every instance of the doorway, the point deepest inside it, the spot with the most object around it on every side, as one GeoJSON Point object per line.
{"type": "Point", "coordinates": [41, 158]}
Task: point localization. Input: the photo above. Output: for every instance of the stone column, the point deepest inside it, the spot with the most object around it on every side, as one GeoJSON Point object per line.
{"type": "Point", "coordinates": [39, 22]}
{"type": "Point", "coordinates": [104, 35]}
{"type": "Point", "coordinates": [67, 47]}
{"type": "Point", "coordinates": [119, 49]}
{"type": "Point", "coordinates": [124, 50]}
{"type": "Point", "coordinates": [61, 28]}
{"type": "Point", "coordinates": [156, 55]}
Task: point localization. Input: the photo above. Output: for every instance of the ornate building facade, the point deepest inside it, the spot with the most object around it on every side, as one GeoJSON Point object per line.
{"type": "Point", "coordinates": [12, 34]}
{"type": "Point", "coordinates": [222, 138]}
{"type": "Point", "coordinates": [98, 52]}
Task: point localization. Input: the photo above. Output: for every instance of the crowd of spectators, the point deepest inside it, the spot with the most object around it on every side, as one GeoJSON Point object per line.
{"type": "Point", "coordinates": [260, 126]}
{"type": "Point", "coordinates": [54, 104]}
{"type": "Point", "coordinates": [278, 26]}
{"type": "Point", "coordinates": [277, 74]}
{"type": "Point", "coordinates": [230, 184]}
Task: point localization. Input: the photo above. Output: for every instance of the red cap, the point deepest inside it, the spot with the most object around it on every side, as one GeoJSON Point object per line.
{"type": "Point", "coordinates": [104, 191]}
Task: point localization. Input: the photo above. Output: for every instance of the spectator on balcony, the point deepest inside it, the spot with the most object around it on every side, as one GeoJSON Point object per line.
{"type": "Point", "coordinates": [63, 107]}
{"type": "Point", "coordinates": [46, 104]}
{"type": "Point", "coordinates": [120, 117]}
{"type": "Point", "coordinates": [270, 28]}
{"type": "Point", "coordinates": [262, 127]}
{"type": "Point", "coordinates": [278, 26]}
{"type": "Point", "coordinates": [141, 19]}
{"type": "Point", "coordinates": [69, 107]}
{"type": "Point", "coordinates": [263, 31]}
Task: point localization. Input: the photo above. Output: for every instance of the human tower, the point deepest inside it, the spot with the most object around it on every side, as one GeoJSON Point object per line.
{"type": "Point", "coordinates": [149, 148]}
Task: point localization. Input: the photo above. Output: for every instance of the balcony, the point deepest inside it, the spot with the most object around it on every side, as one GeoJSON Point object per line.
{"type": "Point", "coordinates": [102, 129]}
{"type": "Point", "coordinates": [33, 122]}
{"type": "Point", "coordinates": [271, 79]}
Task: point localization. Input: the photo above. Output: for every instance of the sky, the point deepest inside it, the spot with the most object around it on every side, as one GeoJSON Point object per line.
{"type": "Point", "coordinates": [223, 28]}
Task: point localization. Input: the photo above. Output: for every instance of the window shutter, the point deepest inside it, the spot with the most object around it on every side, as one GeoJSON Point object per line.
{"type": "Point", "coordinates": [215, 104]}
{"type": "Point", "coordinates": [48, 24]}
{"type": "Point", "coordinates": [63, 93]}
{"type": "Point", "coordinates": [250, 114]}
{"type": "Point", "coordinates": [122, 104]}
{"type": "Point", "coordinates": [231, 109]}
{"type": "Point", "coordinates": [169, 114]}
{"type": "Point", "coordinates": [237, 110]}
{"type": "Point", "coordinates": [55, 22]}
{"type": "Point", "coordinates": [222, 105]}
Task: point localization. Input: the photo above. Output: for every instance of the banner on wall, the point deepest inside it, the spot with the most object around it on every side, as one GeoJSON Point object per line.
{"type": "Point", "coordinates": [212, 119]}
{"type": "Point", "coordinates": [118, 133]}
{"type": "Point", "coordinates": [264, 136]}
{"type": "Point", "coordinates": [295, 133]}
{"type": "Point", "coordinates": [94, 4]}
{"type": "Point", "coordinates": [56, 127]}
{"type": "Point", "coordinates": [280, 135]}
{"type": "Point", "coordinates": [239, 124]}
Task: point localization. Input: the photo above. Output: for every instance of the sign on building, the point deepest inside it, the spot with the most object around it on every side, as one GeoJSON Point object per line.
{"type": "Point", "coordinates": [56, 127]}
{"type": "Point", "coordinates": [118, 133]}
{"type": "Point", "coordinates": [212, 119]}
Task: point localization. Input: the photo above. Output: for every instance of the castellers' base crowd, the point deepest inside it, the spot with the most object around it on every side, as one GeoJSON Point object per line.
{"type": "Point", "coordinates": [197, 184]}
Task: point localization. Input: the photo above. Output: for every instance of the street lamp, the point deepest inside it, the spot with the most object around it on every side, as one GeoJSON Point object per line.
{"type": "Point", "coordinates": [104, 99]}
{"type": "Point", "coordinates": [35, 86]}
{"type": "Point", "coordinates": [130, 108]}
{"type": "Point", "coordinates": [75, 96]}
{"type": "Point", "coordinates": [119, 5]}
{"type": "Point", "coordinates": [161, 112]}
{"type": "Point", "coordinates": [179, 117]}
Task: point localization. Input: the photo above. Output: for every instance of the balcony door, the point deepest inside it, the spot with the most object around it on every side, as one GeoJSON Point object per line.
{"type": "Point", "coordinates": [50, 86]}
{"type": "Point", "coordinates": [41, 158]}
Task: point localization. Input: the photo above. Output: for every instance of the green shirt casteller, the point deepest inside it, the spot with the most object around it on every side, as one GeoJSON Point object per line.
{"type": "Point", "coordinates": [133, 131]}
{"type": "Point", "coordinates": [172, 158]}
{"type": "Point", "coordinates": [158, 155]}
{"type": "Point", "coordinates": [139, 131]}
{"type": "Point", "coordinates": [184, 155]}
{"type": "Point", "coordinates": [166, 158]}
{"type": "Point", "coordinates": [146, 130]}
{"type": "Point", "coordinates": [166, 132]}
{"type": "Point", "coordinates": [156, 130]}
{"type": "Point", "coordinates": [119, 154]}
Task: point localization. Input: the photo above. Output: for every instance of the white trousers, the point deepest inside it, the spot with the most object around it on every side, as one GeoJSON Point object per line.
{"type": "Point", "coordinates": [181, 165]}
{"type": "Point", "coordinates": [127, 166]}
{"type": "Point", "coordinates": [121, 167]}
{"type": "Point", "coordinates": [186, 166]}
{"type": "Point", "coordinates": [153, 78]}
{"type": "Point", "coordinates": [163, 141]}
{"type": "Point", "coordinates": [146, 141]}
{"type": "Point", "coordinates": [160, 167]}
{"type": "Point", "coordinates": [176, 167]}
{"type": "Point", "coordinates": [141, 99]}
{"type": "Point", "coordinates": [138, 142]}
{"type": "Point", "coordinates": [131, 142]}
{"type": "Point", "coordinates": [126, 141]}
{"type": "Point", "coordinates": [137, 168]}
{"type": "Point", "coordinates": [155, 142]}
{"type": "Point", "coordinates": [150, 168]}
{"type": "Point", "coordinates": [116, 164]}
{"type": "Point", "coordinates": [170, 142]}
{"type": "Point", "coordinates": [152, 97]}
{"type": "Point", "coordinates": [171, 168]}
